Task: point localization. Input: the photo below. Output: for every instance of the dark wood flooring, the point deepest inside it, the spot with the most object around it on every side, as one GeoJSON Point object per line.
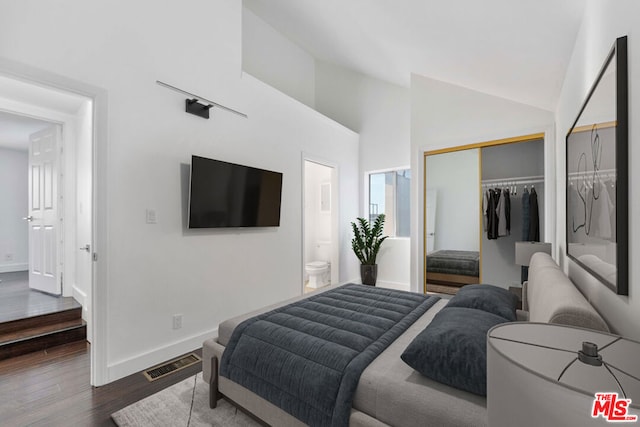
{"type": "Point", "coordinates": [17, 301]}
{"type": "Point", "coordinates": [442, 289]}
{"type": "Point", "coordinates": [51, 388]}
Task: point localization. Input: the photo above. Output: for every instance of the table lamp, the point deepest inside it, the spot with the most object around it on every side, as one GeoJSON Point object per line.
{"type": "Point", "coordinates": [541, 374]}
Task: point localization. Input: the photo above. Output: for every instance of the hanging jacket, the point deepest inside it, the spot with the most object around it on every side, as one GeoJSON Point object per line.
{"type": "Point", "coordinates": [507, 209]}
{"type": "Point", "coordinates": [502, 218]}
{"type": "Point", "coordinates": [525, 215]}
{"type": "Point", "coordinates": [492, 217]}
{"type": "Point", "coordinates": [534, 222]}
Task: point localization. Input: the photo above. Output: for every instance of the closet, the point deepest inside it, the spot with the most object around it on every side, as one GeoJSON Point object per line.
{"type": "Point", "coordinates": [455, 216]}
{"type": "Point", "coordinates": [518, 170]}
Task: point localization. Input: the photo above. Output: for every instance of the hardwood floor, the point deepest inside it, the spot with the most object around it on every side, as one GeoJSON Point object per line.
{"type": "Point", "coordinates": [17, 301]}
{"type": "Point", "coordinates": [51, 388]}
{"type": "Point", "coordinates": [33, 321]}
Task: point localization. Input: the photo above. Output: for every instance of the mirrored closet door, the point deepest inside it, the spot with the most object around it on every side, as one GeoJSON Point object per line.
{"type": "Point", "coordinates": [479, 200]}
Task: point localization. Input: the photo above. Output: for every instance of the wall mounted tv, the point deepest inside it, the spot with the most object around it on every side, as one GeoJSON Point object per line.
{"type": "Point", "coordinates": [228, 195]}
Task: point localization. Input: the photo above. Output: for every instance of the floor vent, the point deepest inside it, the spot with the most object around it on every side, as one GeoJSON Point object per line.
{"type": "Point", "coordinates": [171, 366]}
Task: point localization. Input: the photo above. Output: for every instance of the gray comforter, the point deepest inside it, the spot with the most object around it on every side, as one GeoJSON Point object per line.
{"type": "Point", "coordinates": [465, 263]}
{"type": "Point", "coordinates": [307, 357]}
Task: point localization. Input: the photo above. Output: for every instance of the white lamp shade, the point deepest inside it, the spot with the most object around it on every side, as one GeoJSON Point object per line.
{"type": "Point", "coordinates": [524, 251]}
{"type": "Point", "coordinates": [535, 379]}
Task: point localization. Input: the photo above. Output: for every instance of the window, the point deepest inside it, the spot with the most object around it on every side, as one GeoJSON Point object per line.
{"type": "Point", "coordinates": [389, 194]}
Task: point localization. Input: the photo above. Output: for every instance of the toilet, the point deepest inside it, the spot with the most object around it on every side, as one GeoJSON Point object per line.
{"type": "Point", "coordinates": [319, 273]}
{"type": "Point", "coordinates": [319, 270]}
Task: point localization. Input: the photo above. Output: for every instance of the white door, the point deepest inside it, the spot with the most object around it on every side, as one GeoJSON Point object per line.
{"type": "Point", "coordinates": [431, 219]}
{"type": "Point", "coordinates": [84, 224]}
{"type": "Point", "coordinates": [43, 217]}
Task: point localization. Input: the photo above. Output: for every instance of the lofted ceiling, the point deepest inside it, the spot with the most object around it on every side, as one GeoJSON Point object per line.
{"type": "Point", "coordinates": [514, 49]}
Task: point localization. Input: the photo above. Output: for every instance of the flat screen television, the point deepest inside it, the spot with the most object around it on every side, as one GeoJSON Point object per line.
{"type": "Point", "coordinates": [229, 195]}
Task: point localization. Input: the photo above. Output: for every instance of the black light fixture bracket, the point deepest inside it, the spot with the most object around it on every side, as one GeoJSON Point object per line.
{"type": "Point", "coordinates": [194, 104]}
{"type": "Point", "coordinates": [194, 107]}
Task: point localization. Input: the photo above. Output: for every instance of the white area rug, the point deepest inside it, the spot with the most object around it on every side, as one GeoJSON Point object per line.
{"type": "Point", "coordinates": [171, 407]}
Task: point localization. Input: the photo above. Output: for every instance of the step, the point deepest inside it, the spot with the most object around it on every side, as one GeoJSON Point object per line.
{"type": "Point", "coordinates": [42, 338]}
{"type": "Point", "coordinates": [29, 303]}
{"type": "Point", "coordinates": [35, 331]}
{"type": "Point", "coordinates": [68, 314]}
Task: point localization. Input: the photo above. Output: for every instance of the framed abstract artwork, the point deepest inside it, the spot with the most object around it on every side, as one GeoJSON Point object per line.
{"type": "Point", "coordinates": [597, 176]}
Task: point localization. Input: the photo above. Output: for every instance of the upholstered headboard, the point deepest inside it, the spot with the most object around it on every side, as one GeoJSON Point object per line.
{"type": "Point", "coordinates": [549, 296]}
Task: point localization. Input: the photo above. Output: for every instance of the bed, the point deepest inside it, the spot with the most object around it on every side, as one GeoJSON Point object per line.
{"type": "Point", "coordinates": [388, 392]}
{"type": "Point", "coordinates": [453, 267]}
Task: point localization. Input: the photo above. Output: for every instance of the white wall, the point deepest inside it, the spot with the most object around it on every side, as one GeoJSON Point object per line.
{"type": "Point", "coordinates": [603, 22]}
{"type": "Point", "coordinates": [277, 61]}
{"type": "Point", "coordinates": [155, 271]}
{"type": "Point", "coordinates": [377, 110]}
{"type": "Point", "coordinates": [455, 177]}
{"type": "Point", "coordinates": [444, 115]}
{"type": "Point", "coordinates": [380, 113]}
{"type": "Point", "coordinates": [14, 233]}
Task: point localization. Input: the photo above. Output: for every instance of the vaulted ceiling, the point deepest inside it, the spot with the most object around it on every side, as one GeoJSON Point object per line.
{"type": "Point", "coordinates": [515, 49]}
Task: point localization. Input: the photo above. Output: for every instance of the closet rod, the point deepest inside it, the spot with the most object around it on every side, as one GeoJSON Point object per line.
{"type": "Point", "coordinates": [514, 181]}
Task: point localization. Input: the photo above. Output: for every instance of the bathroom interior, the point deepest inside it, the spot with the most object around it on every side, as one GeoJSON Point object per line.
{"type": "Point", "coordinates": [318, 225]}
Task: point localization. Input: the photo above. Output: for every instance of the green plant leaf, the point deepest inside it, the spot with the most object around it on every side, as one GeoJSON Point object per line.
{"type": "Point", "coordinates": [367, 239]}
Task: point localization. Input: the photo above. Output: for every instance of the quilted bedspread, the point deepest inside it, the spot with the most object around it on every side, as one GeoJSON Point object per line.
{"type": "Point", "coordinates": [307, 357]}
{"type": "Point", "coordinates": [466, 263]}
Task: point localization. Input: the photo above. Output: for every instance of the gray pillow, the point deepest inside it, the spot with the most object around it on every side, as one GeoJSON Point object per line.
{"type": "Point", "coordinates": [490, 298]}
{"type": "Point", "coordinates": [452, 349]}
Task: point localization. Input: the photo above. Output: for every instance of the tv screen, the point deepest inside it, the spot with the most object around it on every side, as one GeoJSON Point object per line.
{"type": "Point", "coordinates": [228, 195]}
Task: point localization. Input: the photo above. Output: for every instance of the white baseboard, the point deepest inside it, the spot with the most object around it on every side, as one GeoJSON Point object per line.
{"type": "Point", "coordinates": [151, 358]}
{"type": "Point", "coordinates": [393, 285]}
{"type": "Point", "coordinates": [79, 295]}
{"type": "Point", "coordinates": [385, 284]}
{"type": "Point", "coordinates": [12, 268]}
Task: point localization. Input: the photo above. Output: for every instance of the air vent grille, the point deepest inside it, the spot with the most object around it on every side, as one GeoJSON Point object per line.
{"type": "Point", "coordinates": [171, 366]}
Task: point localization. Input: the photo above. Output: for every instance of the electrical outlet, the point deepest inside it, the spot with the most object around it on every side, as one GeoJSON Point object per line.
{"type": "Point", "coordinates": [177, 321]}
{"type": "Point", "coordinates": [8, 257]}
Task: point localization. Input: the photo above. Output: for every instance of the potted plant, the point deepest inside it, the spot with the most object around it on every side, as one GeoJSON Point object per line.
{"type": "Point", "coordinates": [366, 242]}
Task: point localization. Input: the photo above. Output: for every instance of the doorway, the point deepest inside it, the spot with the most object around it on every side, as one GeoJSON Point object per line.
{"type": "Point", "coordinates": [49, 134]}
{"type": "Point", "coordinates": [29, 225]}
{"type": "Point", "coordinates": [320, 225]}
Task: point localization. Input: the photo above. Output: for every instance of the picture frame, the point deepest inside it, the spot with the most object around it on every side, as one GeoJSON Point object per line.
{"type": "Point", "coordinates": [597, 223]}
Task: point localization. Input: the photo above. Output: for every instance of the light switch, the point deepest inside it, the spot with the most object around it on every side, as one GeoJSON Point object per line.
{"type": "Point", "coordinates": [151, 216]}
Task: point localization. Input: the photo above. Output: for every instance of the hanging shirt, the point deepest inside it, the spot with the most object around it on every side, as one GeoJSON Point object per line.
{"type": "Point", "coordinates": [507, 209]}
{"type": "Point", "coordinates": [492, 218]}
{"type": "Point", "coordinates": [485, 203]}
{"type": "Point", "coordinates": [525, 215]}
{"type": "Point", "coordinates": [502, 218]}
{"type": "Point", "coordinates": [534, 221]}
